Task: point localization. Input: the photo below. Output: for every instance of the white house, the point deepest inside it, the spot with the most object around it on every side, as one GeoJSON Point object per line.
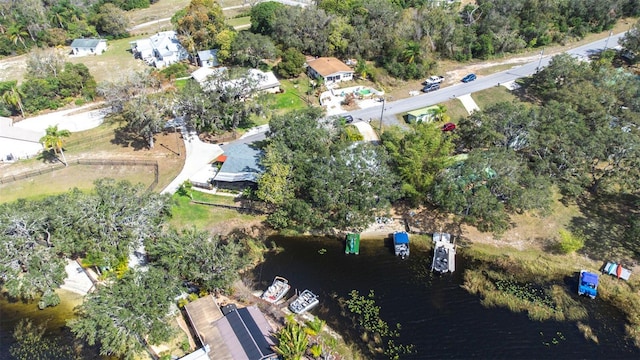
{"type": "Point", "coordinates": [160, 50]}
{"type": "Point", "coordinates": [17, 143]}
{"type": "Point", "coordinates": [208, 58]}
{"type": "Point", "coordinates": [330, 69]}
{"type": "Point", "coordinates": [266, 81]}
{"type": "Point", "coordinates": [263, 81]}
{"type": "Point", "coordinates": [82, 47]}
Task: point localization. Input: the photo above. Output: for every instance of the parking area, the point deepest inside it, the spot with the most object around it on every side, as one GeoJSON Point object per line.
{"type": "Point", "coordinates": [364, 97]}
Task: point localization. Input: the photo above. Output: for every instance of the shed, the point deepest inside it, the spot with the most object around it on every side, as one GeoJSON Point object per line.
{"type": "Point", "coordinates": [330, 69]}
{"type": "Point", "coordinates": [208, 58]}
{"type": "Point", "coordinates": [425, 114]}
{"type": "Point", "coordinates": [81, 47]}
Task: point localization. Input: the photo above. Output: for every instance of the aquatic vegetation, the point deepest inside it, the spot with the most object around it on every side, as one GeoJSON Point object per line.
{"type": "Point", "coordinates": [367, 316]}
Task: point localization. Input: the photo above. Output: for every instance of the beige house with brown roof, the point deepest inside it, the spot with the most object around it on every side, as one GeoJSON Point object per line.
{"type": "Point", "coordinates": [330, 69]}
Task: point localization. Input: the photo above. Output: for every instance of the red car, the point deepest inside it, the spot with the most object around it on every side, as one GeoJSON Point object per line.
{"type": "Point", "coordinates": [448, 127]}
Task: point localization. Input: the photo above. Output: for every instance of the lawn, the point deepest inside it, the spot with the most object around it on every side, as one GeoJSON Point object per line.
{"type": "Point", "coordinates": [292, 98]}
{"type": "Point", "coordinates": [493, 95]}
{"type": "Point", "coordinates": [113, 63]}
{"type": "Point", "coordinates": [184, 213]}
{"type": "Point", "coordinates": [241, 21]}
{"type": "Point", "coordinates": [161, 9]}
{"type": "Point", "coordinates": [73, 176]}
{"type": "Point", "coordinates": [103, 142]}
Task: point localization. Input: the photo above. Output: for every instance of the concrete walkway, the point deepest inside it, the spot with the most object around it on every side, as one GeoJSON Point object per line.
{"type": "Point", "coordinates": [367, 131]}
{"type": "Point", "coordinates": [469, 103]}
{"type": "Point", "coordinates": [199, 155]}
{"type": "Point", "coordinates": [77, 280]}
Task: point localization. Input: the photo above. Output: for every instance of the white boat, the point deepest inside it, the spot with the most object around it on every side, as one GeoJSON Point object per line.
{"type": "Point", "coordinates": [401, 244]}
{"type": "Point", "coordinates": [444, 253]}
{"type": "Point", "coordinates": [277, 290]}
{"type": "Point", "coordinates": [304, 302]}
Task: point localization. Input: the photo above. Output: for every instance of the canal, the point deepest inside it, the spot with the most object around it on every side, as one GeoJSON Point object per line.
{"type": "Point", "coordinates": [437, 315]}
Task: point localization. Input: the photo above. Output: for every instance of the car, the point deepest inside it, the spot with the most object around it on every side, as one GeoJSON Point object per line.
{"type": "Point", "coordinates": [449, 126]}
{"type": "Point", "coordinates": [469, 78]}
{"type": "Point", "coordinates": [431, 87]}
{"type": "Point", "coordinates": [348, 119]}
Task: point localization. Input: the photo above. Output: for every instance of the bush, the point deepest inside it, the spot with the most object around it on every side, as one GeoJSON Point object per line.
{"type": "Point", "coordinates": [569, 242]}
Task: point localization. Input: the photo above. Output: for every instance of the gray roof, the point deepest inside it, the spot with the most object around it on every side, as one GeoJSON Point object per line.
{"type": "Point", "coordinates": [243, 163]}
{"type": "Point", "coordinates": [86, 43]}
{"type": "Point", "coordinates": [208, 55]}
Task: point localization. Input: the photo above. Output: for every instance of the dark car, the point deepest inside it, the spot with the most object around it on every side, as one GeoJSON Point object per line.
{"type": "Point", "coordinates": [348, 119]}
{"type": "Point", "coordinates": [469, 78]}
{"type": "Point", "coordinates": [448, 127]}
{"type": "Point", "coordinates": [430, 87]}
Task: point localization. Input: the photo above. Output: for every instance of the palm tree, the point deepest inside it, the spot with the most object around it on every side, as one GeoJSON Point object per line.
{"type": "Point", "coordinates": [441, 113]}
{"type": "Point", "coordinates": [13, 97]}
{"type": "Point", "coordinates": [16, 34]}
{"type": "Point", "coordinates": [292, 341]}
{"type": "Point", "coordinates": [54, 139]}
{"type": "Point", "coordinates": [411, 51]}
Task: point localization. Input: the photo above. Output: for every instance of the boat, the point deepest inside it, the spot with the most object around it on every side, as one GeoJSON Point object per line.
{"type": "Point", "coordinates": [277, 290]}
{"type": "Point", "coordinates": [352, 245]}
{"type": "Point", "coordinates": [304, 302]}
{"type": "Point", "coordinates": [588, 284]}
{"type": "Point", "coordinates": [617, 270]}
{"type": "Point", "coordinates": [444, 253]}
{"type": "Point", "coordinates": [401, 244]}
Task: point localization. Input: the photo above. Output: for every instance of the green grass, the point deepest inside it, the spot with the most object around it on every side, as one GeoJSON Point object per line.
{"type": "Point", "coordinates": [241, 21]}
{"type": "Point", "coordinates": [186, 214]}
{"type": "Point", "coordinates": [492, 96]}
{"type": "Point", "coordinates": [113, 63]}
{"type": "Point", "coordinates": [73, 176]}
{"type": "Point", "coordinates": [291, 98]}
{"type": "Point", "coordinates": [180, 84]}
{"type": "Point", "coordinates": [212, 198]}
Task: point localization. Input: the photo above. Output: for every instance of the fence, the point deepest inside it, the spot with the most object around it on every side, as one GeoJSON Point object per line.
{"type": "Point", "coordinates": [251, 207]}
{"type": "Point", "coordinates": [26, 175]}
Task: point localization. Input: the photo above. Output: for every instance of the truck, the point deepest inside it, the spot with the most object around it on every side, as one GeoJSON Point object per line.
{"type": "Point", "coordinates": [434, 79]}
{"type": "Point", "coordinates": [588, 284]}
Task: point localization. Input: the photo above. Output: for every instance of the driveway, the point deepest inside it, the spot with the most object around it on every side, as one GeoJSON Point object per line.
{"type": "Point", "coordinates": [367, 131]}
{"type": "Point", "coordinates": [74, 120]}
{"type": "Point", "coordinates": [199, 155]}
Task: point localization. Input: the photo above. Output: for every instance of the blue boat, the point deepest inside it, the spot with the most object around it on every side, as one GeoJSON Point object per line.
{"type": "Point", "coordinates": [588, 284]}
{"type": "Point", "coordinates": [401, 244]}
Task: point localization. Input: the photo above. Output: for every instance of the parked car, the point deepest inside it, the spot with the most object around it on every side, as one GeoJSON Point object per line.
{"type": "Point", "coordinates": [431, 87]}
{"type": "Point", "coordinates": [469, 78]}
{"type": "Point", "coordinates": [435, 79]}
{"type": "Point", "coordinates": [449, 126]}
{"type": "Point", "coordinates": [348, 119]}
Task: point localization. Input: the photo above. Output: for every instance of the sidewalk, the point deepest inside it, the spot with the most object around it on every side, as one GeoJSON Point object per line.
{"type": "Point", "coordinates": [468, 103]}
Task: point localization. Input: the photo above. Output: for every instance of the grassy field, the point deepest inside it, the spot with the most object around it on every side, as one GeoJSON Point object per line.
{"type": "Point", "coordinates": [103, 142]}
{"type": "Point", "coordinates": [185, 214]}
{"type": "Point", "coordinates": [241, 21]}
{"type": "Point", "coordinates": [161, 9]}
{"type": "Point", "coordinates": [291, 98]}
{"type": "Point", "coordinates": [493, 95]}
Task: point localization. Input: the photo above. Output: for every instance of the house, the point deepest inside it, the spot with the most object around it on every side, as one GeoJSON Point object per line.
{"type": "Point", "coordinates": [160, 50]}
{"type": "Point", "coordinates": [425, 114]}
{"type": "Point", "coordinates": [330, 69]}
{"type": "Point", "coordinates": [240, 167]}
{"type": "Point", "coordinates": [208, 58]}
{"type": "Point", "coordinates": [18, 143]}
{"type": "Point", "coordinates": [231, 333]}
{"type": "Point", "coordinates": [82, 47]}
{"type": "Point", "coordinates": [263, 81]}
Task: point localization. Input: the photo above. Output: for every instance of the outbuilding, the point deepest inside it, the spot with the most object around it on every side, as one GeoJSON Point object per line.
{"type": "Point", "coordinates": [82, 47]}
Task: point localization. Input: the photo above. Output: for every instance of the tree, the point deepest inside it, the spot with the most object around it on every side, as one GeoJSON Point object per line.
{"type": "Point", "coordinates": [43, 63]}
{"type": "Point", "coordinates": [54, 140]}
{"type": "Point", "coordinates": [249, 49]}
{"type": "Point", "coordinates": [631, 40]}
{"type": "Point", "coordinates": [292, 341]}
{"type": "Point", "coordinates": [122, 319]}
{"type": "Point", "coordinates": [200, 23]}
{"type": "Point", "coordinates": [145, 115]}
{"type": "Point", "coordinates": [111, 21]}
{"type": "Point", "coordinates": [419, 156]}
{"type": "Point", "coordinates": [210, 262]}
{"type": "Point", "coordinates": [291, 64]}
{"type": "Point", "coordinates": [264, 17]}
{"type": "Point", "coordinates": [13, 97]}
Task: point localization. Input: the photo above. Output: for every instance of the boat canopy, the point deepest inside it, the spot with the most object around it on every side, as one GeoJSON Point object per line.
{"type": "Point", "coordinates": [590, 278]}
{"type": "Point", "coordinates": [401, 238]}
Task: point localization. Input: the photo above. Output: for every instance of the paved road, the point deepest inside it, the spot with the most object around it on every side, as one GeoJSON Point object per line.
{"type": "Point", "coordinates": [392, 108]}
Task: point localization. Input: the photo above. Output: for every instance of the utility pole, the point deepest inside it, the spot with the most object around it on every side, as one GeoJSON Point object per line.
{"type": "Point", "coordinates": [606, 43]}
{"type": "Point", "coordinates": [540, 61]}
{"type": "Point", "coordinates": [382, 114]}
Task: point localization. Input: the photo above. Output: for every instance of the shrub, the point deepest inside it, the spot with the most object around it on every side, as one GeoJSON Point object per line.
{"type": "Point", "coordinates": [569, 242]}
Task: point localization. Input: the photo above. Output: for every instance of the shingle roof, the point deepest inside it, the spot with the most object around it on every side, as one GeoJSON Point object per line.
{"type": "Point", "coordinates": [243, 164]}
{"type": "Point", "coordinates": [208, 55]}
{"type": "Point", "coordinates": [86, 43]}
{"type": "Point", "coordinates": [326, 66]}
